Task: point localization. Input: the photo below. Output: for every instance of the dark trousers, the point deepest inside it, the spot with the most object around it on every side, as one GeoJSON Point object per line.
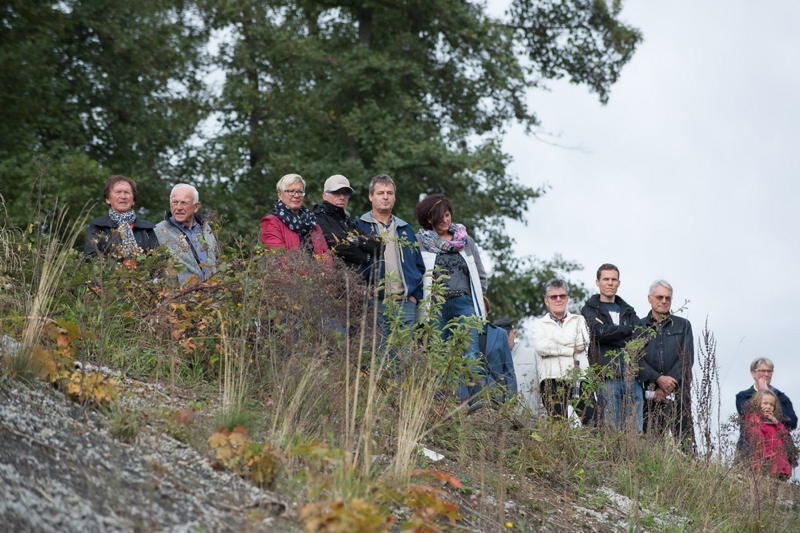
{"type": "Point", "coordinates": [672, 416]}
{"type": "Point", "coordinates": [556, 395]}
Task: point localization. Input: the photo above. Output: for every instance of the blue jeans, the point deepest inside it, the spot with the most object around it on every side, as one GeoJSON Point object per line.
{"type": "Point", "coordinates": [454, 308]}
{"type": "Point", "coordinates": [408, 317]}
{"type": "Point", "coordinates": [617, 400]}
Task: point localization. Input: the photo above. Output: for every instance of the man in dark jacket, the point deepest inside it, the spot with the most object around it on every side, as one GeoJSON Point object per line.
{"type": "Point", "coordinates": [611, 322]}
{"type": "Point", "coordinates": [341, 233]}
{"type": "Point", "coordinates": [666, 368]}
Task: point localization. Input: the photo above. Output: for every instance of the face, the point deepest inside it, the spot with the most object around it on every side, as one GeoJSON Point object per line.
{"type": "Point", "coordinates": [444, 224]}
{"type": "Point", "coordinates": [556, 301]}
{"type": "Point", "coordinates": [660, 300]}
{"type": "Point", "coordinates": [293, 196]}
{"type": "Point", "coordinates": [183, 207]}
{"type": "Point", "coordinates": [382, 197]}
{"type": "Point", "coordinates": [762, 371]}
{"type": "Point", "coordinates": [338, 198]}
{"type": "Point", "coordinates": [120, 197]}
{"type": "Point", "coordinates": [608, 283]}
{"type": "Point", "coordinates": [768, 405]}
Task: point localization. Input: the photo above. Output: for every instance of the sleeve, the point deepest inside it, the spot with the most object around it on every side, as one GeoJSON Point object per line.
{"type": "Point", "coordinates": [479, 265]}
{"type": "Point", "coordinates": [319, 245]}
{"type": "Point", "coordinates": [606, 334]}
{"type": "Point", "coordinates": [741, 401]}
{"type": "Point", "coordinates": [582, 337]}
{"type": "Point", "coordinates": [545, 345]}
{"type": "Point", "coordinates": [682, 369]}
{"type": "Point", "coordinates": [789, 416]}
{"type": "Point", "coordinates": [90, 241]}
{"type": "Point", "coordinates": [271, 234]}
{"type": "Point", "coordinates": [647, 374]}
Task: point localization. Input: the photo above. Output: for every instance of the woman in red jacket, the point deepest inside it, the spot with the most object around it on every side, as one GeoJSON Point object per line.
{"type": "Point", "coordinates": [290, 225]}
{"type": "Point", "coordinates": [766, 437]}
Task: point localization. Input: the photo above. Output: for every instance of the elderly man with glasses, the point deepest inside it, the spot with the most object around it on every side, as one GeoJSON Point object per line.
{"type": "Point", "coordinates": [341, 233]}
{"type": "Point", "coordinates": [666, 368]}
{"type": "Point", "coordinates": [561, 340]}
{"type": "Point", "coordinates": [762, 370]}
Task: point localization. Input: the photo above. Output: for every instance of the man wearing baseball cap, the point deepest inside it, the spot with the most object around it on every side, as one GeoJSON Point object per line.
{"type": "Point", "coordinates": [341, 233]}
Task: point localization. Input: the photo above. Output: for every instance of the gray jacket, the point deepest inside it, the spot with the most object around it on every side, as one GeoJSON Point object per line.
{"type": "Point", "coordinates": [170, 235]}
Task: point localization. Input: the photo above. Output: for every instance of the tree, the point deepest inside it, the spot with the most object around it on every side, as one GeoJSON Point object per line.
{"type": "Point", "coordinates": [420, 90]}
{"type": "Point", "coordinates": [94, 87]}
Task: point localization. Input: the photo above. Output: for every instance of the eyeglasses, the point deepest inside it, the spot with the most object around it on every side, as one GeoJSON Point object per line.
{"type": "Point", "coordinates": [660, 297]}
{"type": "Point", "coordinates": [557, 296]}
{"type": "Point", "coordinates": [341, 192]}
{"type": "Point", "coordinates": [763, 371]}
{"type": "Point", "coordinates": [294, 192]}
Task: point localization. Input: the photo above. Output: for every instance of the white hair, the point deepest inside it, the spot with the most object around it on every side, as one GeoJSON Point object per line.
{"type": "Point", "coordinates": [660, 283]}
{"type": "Point", "coordinates": [287, 180]}
{"type": "Point", "coordinates": [185, 186]}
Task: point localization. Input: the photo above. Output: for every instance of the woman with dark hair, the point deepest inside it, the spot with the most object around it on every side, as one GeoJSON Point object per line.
{"type": "Point", "coordinates": [447, 250]}
{"type": "Point", "coordinates": [290, 225]}
{"type": "Point", "coordinates": [119, 233]}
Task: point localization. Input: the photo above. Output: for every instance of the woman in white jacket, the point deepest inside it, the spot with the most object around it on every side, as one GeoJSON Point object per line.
{"type": "Point", "coordinates": [561, 339]}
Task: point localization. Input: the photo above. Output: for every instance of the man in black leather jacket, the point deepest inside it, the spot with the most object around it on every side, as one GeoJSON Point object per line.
{"type": "Point", "coordinates": [666, 368]}
{"type": "Point", "coordinates": [341, 234]}
{"type": "Point", "coordinates": [611, 322]}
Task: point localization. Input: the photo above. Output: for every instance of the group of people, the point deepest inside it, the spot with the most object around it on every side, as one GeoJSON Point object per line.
{"type": "Point", "coordinates": [400, 264]}
{"type": "Point", "coordinates": [643, 365]}
{"type": "Point", "coordinates": [644, 372]}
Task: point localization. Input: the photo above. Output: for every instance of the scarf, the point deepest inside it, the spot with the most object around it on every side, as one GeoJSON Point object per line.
{"type": "Point", "coordinates": [123, 222]}
{"type": "Point", "coordinates": [430, 241]}
{"type": "Point", "coordinates": [301, 222]}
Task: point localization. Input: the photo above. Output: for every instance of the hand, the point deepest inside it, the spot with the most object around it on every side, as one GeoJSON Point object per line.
{"type": "Point", "coordinates": [761, 383]}
{"type": "Point", "coordinates": [661, 395]}
{"type": "Point", "coordinates": [668, 383]}
{"type": "Point", "coordinates": [412, 300]}
{"type": "Point", "coordinates": [771, 418]}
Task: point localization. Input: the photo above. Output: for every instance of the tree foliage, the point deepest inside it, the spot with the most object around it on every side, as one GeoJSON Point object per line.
{"type": "Point", "coordinates": [421, 90]}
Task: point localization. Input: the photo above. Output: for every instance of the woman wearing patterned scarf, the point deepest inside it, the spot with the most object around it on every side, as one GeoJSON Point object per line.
{"type": "Point", "coordinates": [290, 225]}
{"type": "Point", "coordinates": [448, 251]}
{"type": "Point", "coordinates": [119, 233]}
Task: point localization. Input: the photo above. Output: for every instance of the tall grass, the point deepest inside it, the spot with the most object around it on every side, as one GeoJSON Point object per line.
{"type": "Point", "coordinates": [52, 249]}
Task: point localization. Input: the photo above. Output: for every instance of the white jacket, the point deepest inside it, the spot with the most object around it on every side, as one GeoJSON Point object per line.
{"type": "Point", "coordinates": [558, 346]}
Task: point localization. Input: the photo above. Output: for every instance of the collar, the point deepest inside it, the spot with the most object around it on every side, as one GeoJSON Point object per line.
{"type": "Point", "coordinates": [652, 320]}
{"type": "Point", "coordinates": [559, 321]}
{"type": "Point", "coordinates": [367, 217]}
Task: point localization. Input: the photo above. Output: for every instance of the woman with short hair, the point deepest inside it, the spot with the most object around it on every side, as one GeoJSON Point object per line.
{"type": "Point", "coordinates": [119, 233]}
{"type": "Point", "coordinates": [290, 225]}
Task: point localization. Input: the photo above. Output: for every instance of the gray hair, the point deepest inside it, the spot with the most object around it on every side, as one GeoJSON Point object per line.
{"type": "Point", "coordinates": [761, 361]}
{"type": "Point", "coordinates": [381, 178]}
{"type": "Point", "coordinates": [185, 186]}
{"type": "Point", "coordinates": [556, 283]}
{"type": "Point", "coordinates": [287, 179]}
{"type": "Point", "coordinates": [659, 283]}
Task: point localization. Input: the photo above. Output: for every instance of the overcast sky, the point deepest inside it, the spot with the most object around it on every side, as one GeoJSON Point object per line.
{"type": "Point", "coordinates": [688, 174]}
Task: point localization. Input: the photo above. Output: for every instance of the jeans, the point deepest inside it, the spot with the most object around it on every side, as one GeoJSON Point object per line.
{"type": "Point", "coordinates": [408, 317]}
{"type": "Point", "coordinates": [453, 308]}
{"type": "Point", "coordinates": [618, 400]}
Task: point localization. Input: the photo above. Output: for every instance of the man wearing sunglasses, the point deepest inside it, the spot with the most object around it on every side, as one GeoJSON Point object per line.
{"type": "Point", "coordinates": [611, 322]}
{"type": "Point", "coordinates": [341, 233]}
{"type": "Point", "coordinates": [666, 368]}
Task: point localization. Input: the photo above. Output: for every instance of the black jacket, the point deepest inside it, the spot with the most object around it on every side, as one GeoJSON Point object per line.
{"type": "Point", "coordinates": [102, 237]}
{"type": "Point", "coordinates": [606, 336]}
{"type": "Point", "coordinates": [670, 352]}
{"type": "Point", "coordinates": [343, 237]}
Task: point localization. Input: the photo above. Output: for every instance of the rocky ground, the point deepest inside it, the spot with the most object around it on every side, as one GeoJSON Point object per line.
{"type": "Point", "coordinates": [61, 470]}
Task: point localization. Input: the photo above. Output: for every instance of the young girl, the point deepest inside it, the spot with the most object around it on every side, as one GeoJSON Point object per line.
{"type": "Point", "coordinates": [765, 435]}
